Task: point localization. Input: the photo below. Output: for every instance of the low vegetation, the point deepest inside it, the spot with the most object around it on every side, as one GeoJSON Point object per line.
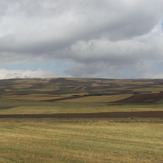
{"type": "Point", "coordinates": [81, 107]}
{"type": "Point", "coordinates": [86, 140]}
{"type": "Point", "coordinates": [80, 141]}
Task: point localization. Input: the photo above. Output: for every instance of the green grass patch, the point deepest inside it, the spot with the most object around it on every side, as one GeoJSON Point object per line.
{"type": "Point", "coordinates": [50, 108]}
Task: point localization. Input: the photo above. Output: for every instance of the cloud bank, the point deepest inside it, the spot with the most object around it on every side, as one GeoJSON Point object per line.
{"type": "Point", "coordinates": [9, 74]}
{"type": "Point", "coordinates": [106, 38]}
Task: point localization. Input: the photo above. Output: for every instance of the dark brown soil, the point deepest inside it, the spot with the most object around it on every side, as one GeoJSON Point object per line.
{"type": "Point", "coordinates": [143, 98]}
{"type": "Point", "coordinates": [143, 114]}
{"type": "Point", "coordinates": [137, 98]}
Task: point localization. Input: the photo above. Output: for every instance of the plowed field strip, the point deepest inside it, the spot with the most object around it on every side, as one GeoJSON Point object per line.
{"type": "Point", "coordinates": [142, 114]}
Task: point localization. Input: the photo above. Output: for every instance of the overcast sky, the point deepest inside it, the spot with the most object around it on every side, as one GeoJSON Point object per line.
{"type": "Point", "coordinates": [81, 38]}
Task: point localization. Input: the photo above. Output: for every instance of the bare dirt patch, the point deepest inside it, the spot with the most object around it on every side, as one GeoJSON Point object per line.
{"type": "Point", "coordinates": [142, 114]}
{"type": "Point", "coordinates": [143, 98]}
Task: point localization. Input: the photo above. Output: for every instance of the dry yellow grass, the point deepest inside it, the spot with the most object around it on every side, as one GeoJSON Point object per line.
{"type": "Point", "coordinates": [51, 108]}
{"type": "Point", "coordinates": [49, 141]}
{"type": "Point", "coordinates": [106, 98]}
{"type": "Point", "coordinates": [33, 97]}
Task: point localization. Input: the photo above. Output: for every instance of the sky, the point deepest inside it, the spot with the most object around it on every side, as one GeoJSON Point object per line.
{"type": "Point", "coordinates": [81, 38]}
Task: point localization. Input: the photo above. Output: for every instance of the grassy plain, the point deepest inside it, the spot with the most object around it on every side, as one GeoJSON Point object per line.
{"type": "Point", "coordinates": [80, 140]}
{"type": "Point", "coordinates": [85, 141]}
{"type": "Point", "coordinates": [70, 107]}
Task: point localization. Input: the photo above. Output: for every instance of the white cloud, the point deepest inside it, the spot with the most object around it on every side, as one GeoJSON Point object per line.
{"type": "Point", "coordinates": [153, 76]}
{"type": "Point", "coordinates": [9, 74]}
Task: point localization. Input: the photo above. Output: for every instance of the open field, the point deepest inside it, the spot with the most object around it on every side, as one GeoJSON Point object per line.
{"type": "Point", "coordinates": [82, 90]}
{"type": "Point", "coordinates": [93, 141]}
{"type": "Point", "coordinates": [81, 120]}
{"type": "Point", "coordinates": [60, 95]}
{"type": "Point", "coordinates": [52, 108]}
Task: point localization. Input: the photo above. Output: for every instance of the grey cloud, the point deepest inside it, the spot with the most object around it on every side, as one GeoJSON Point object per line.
{"type": "Point", "coordinates": [105, 34]}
